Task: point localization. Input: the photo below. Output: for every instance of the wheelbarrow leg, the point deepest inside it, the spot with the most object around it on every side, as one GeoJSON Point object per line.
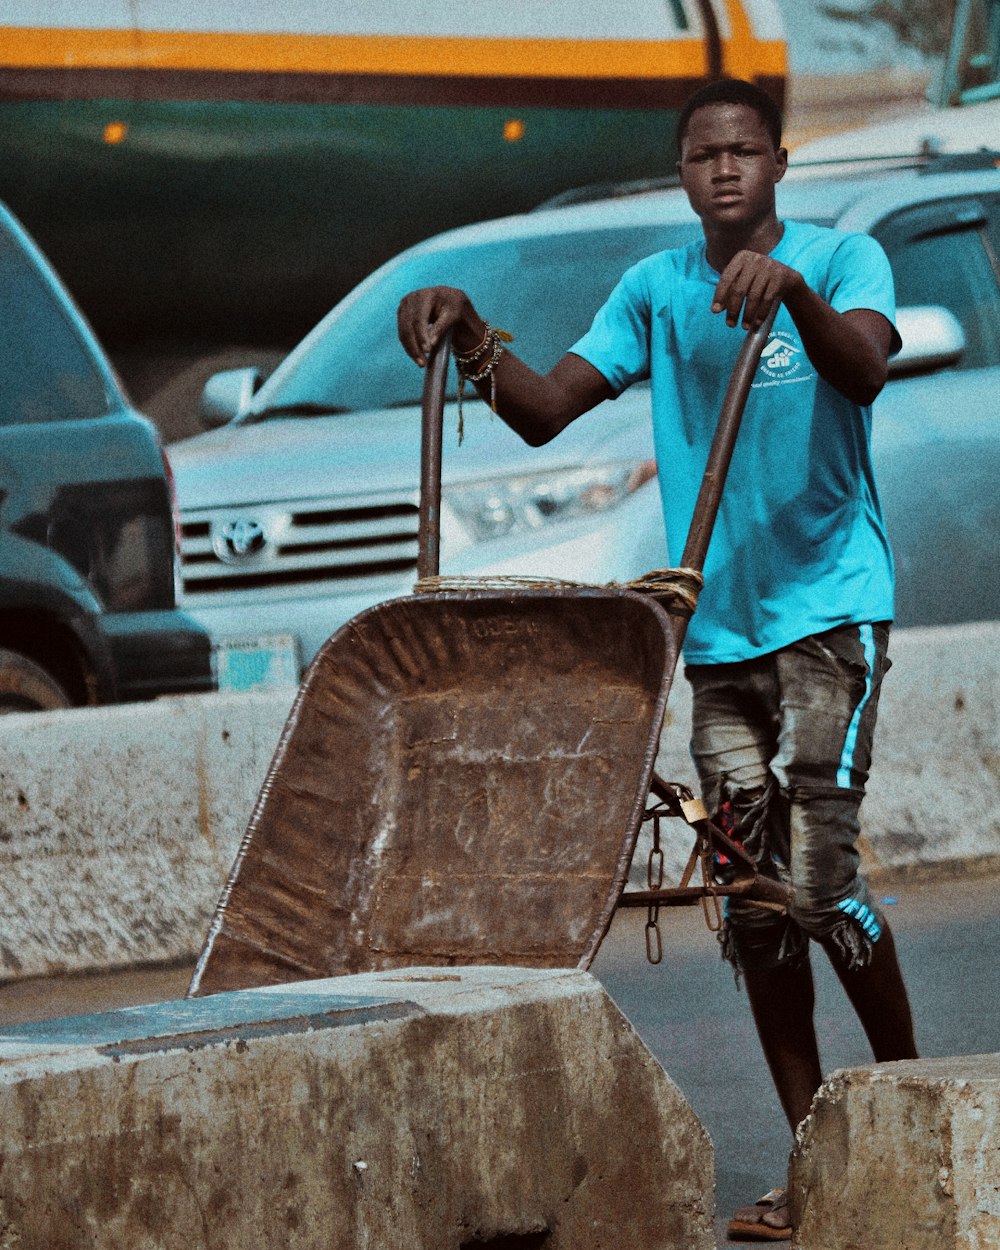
{"type": "Point", "coordinates": [710, 841]}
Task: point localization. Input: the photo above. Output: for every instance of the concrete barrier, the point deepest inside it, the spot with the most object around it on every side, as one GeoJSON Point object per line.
{"type": "Point", "coordinates": [437, 1110]}
{"type": "Point", "coordinates": [118, 825]}
{"type": "Point", "coordinates": [902, 1156]}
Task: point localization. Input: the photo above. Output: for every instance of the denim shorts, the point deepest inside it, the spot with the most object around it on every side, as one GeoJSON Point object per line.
{"type": "Point", "coordinates": [782, 744]}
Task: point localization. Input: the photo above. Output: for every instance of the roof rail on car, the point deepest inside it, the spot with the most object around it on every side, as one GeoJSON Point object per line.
{"type": "Point", "coordinates": [960, 162]}
{"type": "Point", "coordinates": [927, 160]}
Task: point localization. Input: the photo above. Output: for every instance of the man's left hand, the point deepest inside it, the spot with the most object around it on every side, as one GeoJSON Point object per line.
{"type": "Point", "coordinates": [753, 282]}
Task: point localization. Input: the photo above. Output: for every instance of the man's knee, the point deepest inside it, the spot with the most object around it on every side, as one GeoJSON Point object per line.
{"type": "Point", "coordinates": [832, 902]}
{"type": "Point", "coordinates": [757, 940]}
{"type": "Point", "coordinates": [823, 835]}
{"type": "Point", "coordinates": [811, 843]}
{"type": "Point", "coordinates": [848, 928]}
{"type": "Point", "coordinates": [756, 817]}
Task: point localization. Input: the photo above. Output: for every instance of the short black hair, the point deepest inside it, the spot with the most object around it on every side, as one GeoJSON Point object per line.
{"type": "Point", "coordinates": [732, 91]}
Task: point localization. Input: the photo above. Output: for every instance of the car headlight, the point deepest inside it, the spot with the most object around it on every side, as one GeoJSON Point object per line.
{"type": "Point", "coordinates": [500, 506]}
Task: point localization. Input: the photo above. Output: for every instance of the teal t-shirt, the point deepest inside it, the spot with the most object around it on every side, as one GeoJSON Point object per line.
{"type": "Point", "coordinates": [800, 544]}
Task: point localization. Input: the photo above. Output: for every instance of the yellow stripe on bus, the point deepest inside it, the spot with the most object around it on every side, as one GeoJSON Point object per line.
{"type": "Point", "coordinates": [747, 57]}
{"type": "Point", "coordinates": [65, 48]}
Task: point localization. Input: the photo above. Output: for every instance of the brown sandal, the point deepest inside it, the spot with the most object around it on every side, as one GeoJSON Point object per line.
{"type": "Point", "coordinates": [766, 1220]}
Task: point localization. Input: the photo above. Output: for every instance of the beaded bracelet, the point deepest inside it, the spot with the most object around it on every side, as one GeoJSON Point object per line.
{"type": "Point", "coordinates": [471, 369]}
{"type": "Point", "coordinates": [467, 358]}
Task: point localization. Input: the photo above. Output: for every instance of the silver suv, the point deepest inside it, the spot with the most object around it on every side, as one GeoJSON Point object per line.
{"type": "Point", "coordinates": [302, 509]}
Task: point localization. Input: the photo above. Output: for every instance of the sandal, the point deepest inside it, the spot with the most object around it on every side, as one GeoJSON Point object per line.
{"type": "Point", "coordinates": [766, 1220]}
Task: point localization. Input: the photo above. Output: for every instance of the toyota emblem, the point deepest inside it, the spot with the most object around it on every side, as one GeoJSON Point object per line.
{"type": "Point", "coordinates": [235, 541]}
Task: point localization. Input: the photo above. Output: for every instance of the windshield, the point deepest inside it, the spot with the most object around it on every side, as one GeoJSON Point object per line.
{"type": "Point", "coordinates": [545, 290]}
{"type": "Point", "coordinates": [46, 373]}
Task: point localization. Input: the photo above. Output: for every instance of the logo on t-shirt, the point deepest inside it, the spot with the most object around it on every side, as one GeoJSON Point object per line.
{"type": "Point", "coordinates": [783, 359]}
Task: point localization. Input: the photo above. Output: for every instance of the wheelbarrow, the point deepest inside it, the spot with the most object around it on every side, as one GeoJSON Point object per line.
{"type": "Point", "coordinates": [464, 771]}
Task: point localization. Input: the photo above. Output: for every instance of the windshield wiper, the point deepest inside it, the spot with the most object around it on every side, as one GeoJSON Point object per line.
{"type": "Point", "coordinates": [296, 410]}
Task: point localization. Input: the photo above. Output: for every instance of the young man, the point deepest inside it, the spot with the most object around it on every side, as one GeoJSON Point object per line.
{"type": "Point", "coordinates": [787, 649]}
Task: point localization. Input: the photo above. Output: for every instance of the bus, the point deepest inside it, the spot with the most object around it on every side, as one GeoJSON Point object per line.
{"type": "Point", "coordinates": [222, 171]}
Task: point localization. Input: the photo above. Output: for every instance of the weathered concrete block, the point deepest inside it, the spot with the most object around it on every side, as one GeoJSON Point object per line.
{"type": "Point", "coordinates": [118, 826]}
{"type": "Point", "coordinates": [432, 1109]}
{"type": "Point", "coordinates": [902, 1156]}
{"type": "Point", "coordinates": [935, 790]}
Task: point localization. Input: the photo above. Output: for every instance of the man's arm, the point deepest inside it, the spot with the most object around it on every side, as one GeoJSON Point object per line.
{"type": "Point", "coordinates": [850, 350]}
{"type": "Point", "coordinates": [535, 406]}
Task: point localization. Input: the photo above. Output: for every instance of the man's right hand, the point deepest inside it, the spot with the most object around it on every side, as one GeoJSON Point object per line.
{"type": "Point", "coordinates": [537, 407]}
{"type": "Point", "coordinates": [423, 317]}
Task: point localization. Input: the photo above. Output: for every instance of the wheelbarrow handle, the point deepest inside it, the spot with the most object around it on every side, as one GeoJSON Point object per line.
{"type": "Point", "coordinates": [706, 507]}
{"type": "Point", "coordinates": [432, 422]}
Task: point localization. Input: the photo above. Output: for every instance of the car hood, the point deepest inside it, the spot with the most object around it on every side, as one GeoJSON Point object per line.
{"type": "Point", "coordinates": [356, 453]}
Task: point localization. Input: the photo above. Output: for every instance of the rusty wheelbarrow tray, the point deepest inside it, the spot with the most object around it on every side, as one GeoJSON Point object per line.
{"type": "Point", "coordinates": [463, 774]}
{"type": "Point", "coordinates": [460, 781]}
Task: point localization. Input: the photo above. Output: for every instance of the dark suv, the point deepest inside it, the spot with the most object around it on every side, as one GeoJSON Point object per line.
{"type": "Point", "coordinates": [87, 528]}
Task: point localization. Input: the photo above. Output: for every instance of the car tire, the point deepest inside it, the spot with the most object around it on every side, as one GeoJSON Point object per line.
{"type": "Point", "coordinates": [26, 687]}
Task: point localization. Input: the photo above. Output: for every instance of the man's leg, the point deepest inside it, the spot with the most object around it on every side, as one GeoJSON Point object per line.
{"type": "Point", "coordinates": [878, 994]}
{"type": "Point", "coordinates": [830, 688]}
{"type": "Point", "coordinates": [736, 723]}
{"type": "Point", "coordinates": [782, 1001]}
{"type": "Point", "coordinates": [735, 734]}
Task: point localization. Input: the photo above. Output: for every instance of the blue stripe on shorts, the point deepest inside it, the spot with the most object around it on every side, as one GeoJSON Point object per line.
{"type": "Point", "coordinates": [851, 740]}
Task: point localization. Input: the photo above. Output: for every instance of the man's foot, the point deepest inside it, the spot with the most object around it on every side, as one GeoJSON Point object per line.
{"type": "Point", "coordinates": [766, 1220]}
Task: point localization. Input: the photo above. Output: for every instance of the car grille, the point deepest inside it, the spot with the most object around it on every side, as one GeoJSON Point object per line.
{"type": "Point", "coordinates": [286, 548]}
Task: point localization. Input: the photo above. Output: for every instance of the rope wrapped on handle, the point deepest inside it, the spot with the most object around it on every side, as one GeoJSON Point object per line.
{"type": "Point", "coordinates": [675, 588]}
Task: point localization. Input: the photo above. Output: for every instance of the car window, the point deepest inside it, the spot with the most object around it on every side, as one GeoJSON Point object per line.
{"type": "Point", "coordinates": [545, 290]}
{"type": "Point", "coordinates": [973, 70]}
{"type": "Point", "coordinates": [942, 253]}
{"type": "Point", "coordinates": [46, 373]}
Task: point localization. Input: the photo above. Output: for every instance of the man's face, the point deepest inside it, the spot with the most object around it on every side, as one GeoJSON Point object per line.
{"type": "Point", "coordinates": [729, 166]}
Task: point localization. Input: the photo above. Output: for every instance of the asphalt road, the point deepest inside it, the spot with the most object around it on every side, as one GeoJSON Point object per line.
{"type": "Point", "coordinates": [690, 1014]}
{"type": "Point", "coordinates": [692, 1017]}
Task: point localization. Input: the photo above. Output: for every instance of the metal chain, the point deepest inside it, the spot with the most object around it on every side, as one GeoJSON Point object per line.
{"type": "Point", "coordinates": [654, 880]}
{"type": "Point", "coordinates": [682, 803]}
{"type": "Point", "coordinates": [713, 918]}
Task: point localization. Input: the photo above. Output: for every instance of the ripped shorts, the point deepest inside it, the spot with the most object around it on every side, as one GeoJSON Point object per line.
{"type": "Point", "coordinates": [782, 744]}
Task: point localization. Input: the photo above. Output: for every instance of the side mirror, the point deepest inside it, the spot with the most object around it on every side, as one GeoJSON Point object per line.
{"type": "Point", "coordinates": [932, 338]}
{"type": "Point", "coordinates": [227, 395]}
